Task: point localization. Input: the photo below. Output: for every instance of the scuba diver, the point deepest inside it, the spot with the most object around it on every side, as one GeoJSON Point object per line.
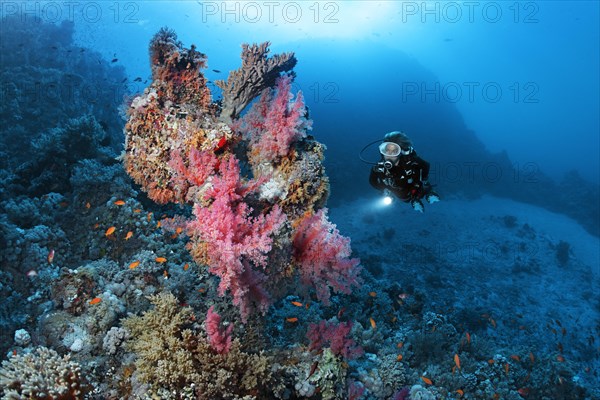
{"type": "Point", "coordinates": [402, 172]}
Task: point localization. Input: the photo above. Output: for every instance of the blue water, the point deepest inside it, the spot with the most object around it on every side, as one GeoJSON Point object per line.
{"type": "Point", "coordinates": [501, 98]}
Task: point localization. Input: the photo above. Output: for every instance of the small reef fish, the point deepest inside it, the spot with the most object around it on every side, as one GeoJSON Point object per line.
{"type": "Point", "coordinates": [297, 303]}
{"type": "Point", "coordinates": [119, 202]}
{"type": "Point", "coordinates": [110, 231]}
{"type": "Point", "coordinates": [292, 319]}
{"type": "Point", "coordinates": [160, 260]}
{"type": "Point", "coordinates": [134, 264]}
{"type": "Point", "coordinates": [114, 60]}
{"type": "Point", "coordinates": [373, 294]}
{"type": "Point", "coordinates": [50, 256]}
{"type": "Point", "coordinates": [95, 300]}
{"type": "Point", "coordinates": [186, 266]}
{"type": "Point", "coordinates": [399, 358]}
{"type": "Point", "coordinates": [129, 235]}
{"type": "Point", "coordinates": [457, 361]}
{"type": "Point", "coordinates": [373, 324]}
{"type": "Point", "coordinates": [426, 380]}
{"type": "Point", "coordinates": [468, 337]}
{"type": "Point", "coordinates": [88, 205]}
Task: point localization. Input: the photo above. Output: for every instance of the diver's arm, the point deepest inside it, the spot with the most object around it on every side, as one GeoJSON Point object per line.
{"type": "Point", "coordinates": [423, 168]}
{"type": "Point", "coordinates": [374, 179]}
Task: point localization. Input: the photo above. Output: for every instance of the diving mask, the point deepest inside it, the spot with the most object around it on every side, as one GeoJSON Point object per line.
{"type": "Point", "coordinates": [391, 149]}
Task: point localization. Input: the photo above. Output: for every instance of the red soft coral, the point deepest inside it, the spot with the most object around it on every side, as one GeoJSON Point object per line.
{"type": "Point", "coordinates": [218, 337]}
{"type": "Point", "coordinates": [233, 241]}
{"type": "Point", "coordinates": [275, 122]}
{"type": "Point", "coordinates": [201, 165]}
{"type": "Point", "coordinates": [335, 336]}
{"type": "Point", "coordinates": [323, 255]}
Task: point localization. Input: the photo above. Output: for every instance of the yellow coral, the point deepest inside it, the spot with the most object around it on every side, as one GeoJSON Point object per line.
{"type": "Point", "coordinates": [173, 357]}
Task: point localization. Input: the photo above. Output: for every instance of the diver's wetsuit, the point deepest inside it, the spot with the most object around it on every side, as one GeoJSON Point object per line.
{"type": "Point", "coordinates": [405, 180]}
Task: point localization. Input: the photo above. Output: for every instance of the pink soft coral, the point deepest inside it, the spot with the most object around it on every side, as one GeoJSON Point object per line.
{"type": "Point", "coordinates": [233, 241]}
{"type": "Point", "coordinates": [323, 256]}
{"type": "Point", "coordinates": [218, 337]}
{"type": "Point", "coordinates": [201, 165]}
{"type": "Point", "coordinates": [275, 122]}
{"type": "Point", "coordinates": [335, 336]}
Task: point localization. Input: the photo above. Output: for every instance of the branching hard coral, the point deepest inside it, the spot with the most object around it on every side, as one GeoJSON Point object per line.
{"type": "Point", "coordinates": [258, 72]}
{"type": "Point", "coordinates": [41, 374]}
{"type": "Point", "coordinates": [173, 355]}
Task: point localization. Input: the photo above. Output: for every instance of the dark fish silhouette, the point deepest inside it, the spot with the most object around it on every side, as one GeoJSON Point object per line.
{"type": "Point", "coordinates": [138, 79]}
{"type": "Point", "coordinates": [114, 60]}
{"type": "Point", "coordinates": [123, 80]}
{"type": "Point", "coordinates": [217, 71]}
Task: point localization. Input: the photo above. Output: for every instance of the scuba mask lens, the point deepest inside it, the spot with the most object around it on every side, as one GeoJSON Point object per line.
{"type": "Point", "coordinates": [390, 149]}
{"type": "Point", "coordinates": [388, 164]}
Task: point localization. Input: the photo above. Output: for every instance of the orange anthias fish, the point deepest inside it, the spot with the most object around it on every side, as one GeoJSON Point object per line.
{"type": "Point", "coordinates": [373, 324]}
{"type": "Point", "coordinates": [297, 303]}
{"type": "Point", "coordinates": [50, 256]}
{"type": "Point", "coordinates": [426, 380]}
{"type": "Point", "coordinates": [457, 361]}
{"type": "Point", "coordinates": [160, 259]}
{"type": "Point", "coordinates": [95, 300]}
{"type": "Point", "coordinates": [186, 266]}
{"type": "Point", "coordinates": [129, 235]}
{"type": "Point", "coordinates": [110, 231]}
{"type": "Point", "coordinates": [134, 264]}
{"type": "Point", "coordinates": [292, 319]}
{"type": "Point", "coordinates": [119, 203]}
{"type": "Point", "coordinates": [468, 337]}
